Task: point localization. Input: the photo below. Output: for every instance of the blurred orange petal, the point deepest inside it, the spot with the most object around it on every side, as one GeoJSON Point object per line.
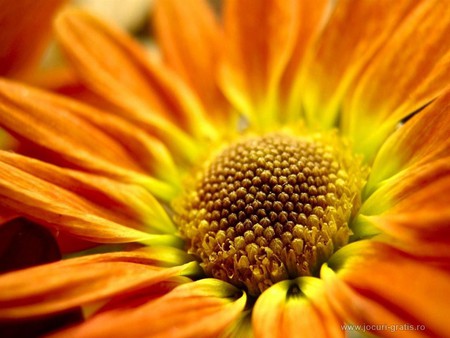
{"type": "Point", "coordinates": [65, 134]}
{"type": "Point", "coordinates": [257, 47]}
{"type": "Point", "coordinates": [75, 282]}
{"type": "Point", "coordinates": [418, 209]}
{"type": "Point", "coordinates": [147, 92]}
{"type": "Point", "coordinates": [348, 41]}
{"type": "Point", "coordinates": [126, 203]}
{"type": "Point", "coordinates": [20, 20]}
{"type": "Point", "coordinates": [384, 95]}
{"type": "Point", "coordinates": [420, 141]}
{"type": "Point", "coordinates": [58, 208]}
{"type": "Point", "coordinates": [189, 37]}
{"type": "Point", "coordinates": [142, 148]}
{"type": "Point", "coordinates": [190, 310]}
{"type": "Point", "coordinates": [383, 286]}
{"type": "Point", "coordinates": [311, 17]}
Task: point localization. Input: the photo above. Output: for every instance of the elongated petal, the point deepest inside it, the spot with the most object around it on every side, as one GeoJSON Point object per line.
{"type": "Point", "coordinates": [20, 114]}
{"type": "Point", "coordinates": [204, 308]}
{"type": "Point", "coordinates": [76, 282]}
{"type": "Point", "coordinates": [387, 90]}
{"type": "Point", "coordinates": [414, 207]}
{"type": "Point", "coordinates": [147, 92]}
{"type": "Point", "coordinates": [385, 287]}
{"type": "Point", "coordinates": [285, 311]}
{"type": "Point", "coordinates": [20, 20]}
{"type": "Point", "coordinates": [259, 38]}
{"type": "Point", "coordinates": [125, 201]}
{"type": "Point", "coordinates": [350, 38]}
{"type": "Point", "coordinates": [53, 124]}
{"type": "Point", "coordinates": [56, 207]}
{"type": "Point", "coordinates": [311, 17]}
{"type": "Point", "coordinates": [190, 37]}
{"type": "Point", "coordinates": [423, 139]}
{"type": "Point", "coordinates": [146, 150]}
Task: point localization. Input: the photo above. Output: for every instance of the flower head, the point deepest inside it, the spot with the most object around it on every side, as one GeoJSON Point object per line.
{"type": "Point", "coordinates": [279, 171]}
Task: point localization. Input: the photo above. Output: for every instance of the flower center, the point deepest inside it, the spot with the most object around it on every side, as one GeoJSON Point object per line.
{"type": "Point", "coordinates": [270, 208]}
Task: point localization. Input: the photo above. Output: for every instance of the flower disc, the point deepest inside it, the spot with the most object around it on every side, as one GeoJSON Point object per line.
{"type": "Point", "coordinates": [270, 208]}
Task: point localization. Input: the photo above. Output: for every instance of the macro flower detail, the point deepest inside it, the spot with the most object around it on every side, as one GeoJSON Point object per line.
{"type": "Point", "coordinates": [277, 169]}
{"type": "Point", "coordinates": [270, 208]}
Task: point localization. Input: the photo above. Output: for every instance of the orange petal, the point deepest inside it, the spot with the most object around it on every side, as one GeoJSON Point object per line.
{"type": "Point", "coordinates": [145, 90]}
{"type": "Point", "coordinates": [311, 16]}
{"type": "Point", "coordinates": [191, 310]}
{"type": "Point", "coordinates": [126, 203]}
{"type": "Point", "coordinates": [56, 207]}
{"type": "Point", "coordinates": [353, 33]}
{"type": "Point", "coordinates": [145, 150]}
{"type": "Point", "coordinates": [421, 140]}
{"type": "Point", "coordinates": [259, 38]}
{"type": "Point", "coordinates": [418, 208]}
{"type": "Point", "coordinates": [382, 286]}
{"type": "Point", "coordinates": [75, 282]}
{"type": "Point", "coordinates": [52, 125]}
{"type": "Point", "coordinates": [387, 91]}
{"type": "Point", "coordinates": [20, 20]}
{"type": "Point", "coordinates": [193, 50]}
{"type": "Point", "coordinates": [280, 313]}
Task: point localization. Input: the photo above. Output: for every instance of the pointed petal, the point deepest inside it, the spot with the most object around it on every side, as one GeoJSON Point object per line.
{"type": "Point", "coordinates": [147, 92]}
{"type": "Point", "coordinates": [192, 51]}
{"type": "Point", "coordinates": [295, 308]}
{"type": "Point", "coordinates": [413, 205]}
{"type": "Point", "coordinates": [56, 207]}
{"type": "Point", "coordinates": [387, 91]}
{"type": "Point", "coordinates": [385, 287]}
{"type": "Point", "coordinates": [257, 47]}
{"type": "Point", "coordinates": [123, 201]}
{"type": "Point", "coordinates": [190, 310]}
{"type": "Point", "coordinates": [350, 38]}
{"type": "Point", "coordinates": [146, 150]}
{"type": "Point", "coordinates": [19, 20]}
{"type": "Point", "coordinates": [19, 109]}
{"type": "Point", "coordinates": [422, 139]}
{"type": "Point", "coordinates": [53, 124]}
{"type": "Point", "coordinates": [76, 282]}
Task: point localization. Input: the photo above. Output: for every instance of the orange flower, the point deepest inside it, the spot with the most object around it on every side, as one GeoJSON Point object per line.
{"type": "Point", "coordinates": [280, 171]}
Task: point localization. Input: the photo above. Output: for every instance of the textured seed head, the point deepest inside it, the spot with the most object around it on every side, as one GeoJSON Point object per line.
{"type": "Point", "coordinates": [269, 208]}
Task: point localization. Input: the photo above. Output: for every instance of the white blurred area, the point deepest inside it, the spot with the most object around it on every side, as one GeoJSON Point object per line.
{"type": "Point", "coordinates": [130, 15]}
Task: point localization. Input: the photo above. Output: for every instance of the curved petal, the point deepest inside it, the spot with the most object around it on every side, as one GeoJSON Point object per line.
{"type": "Point", "coordinates": [21, 20]}
{"type": "Point", "coordinates": [56, 207]}
{"type": "Point", "coordinates": [414, 207]}
{"type": "Point", "coordinates": [295, 309]}
{"type": "Point", "coordinates": [203, 308]}
{"type": "Point", "coordinates": [52, 125]}
{"type": "Point", "coordinates": [123, 201]}
{"type": "Point", "coordinates": [392, 291]}
{"type": "Point", "coordinates": [353, 33]}
{"type": "Point", "coordinates": [148, 93]}
{"type": "Point", "coordinates": [75, 282]}
{"type": "Point", "coordinates": [412, 60]}
{"type": "Point", "coordinates": [421, 140]}
{"type": "Point", "coordinates": [189, 37]}
{"type": "Point", "coordinates": [259, 38]}
{"type": "Point", "coordinates": [144, 149]}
